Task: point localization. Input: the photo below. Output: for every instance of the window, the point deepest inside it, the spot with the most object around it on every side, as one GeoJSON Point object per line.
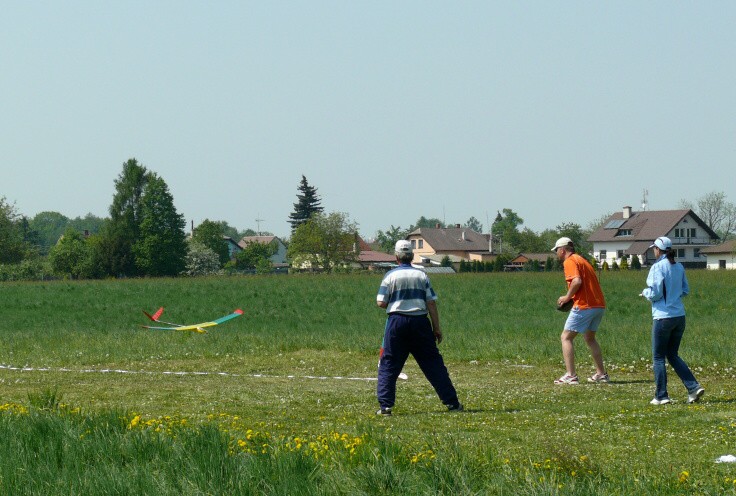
{"type": "Point", "coordinates": [624, 232]}
{"type": "Point", "coordinates": [413, 244]}
{"type": "Point", "coordinates": [681, 253]}
{"type": "Point", "coordinates": [421, 243]}
{"type": "Point", "coordinates": [619, 254]}
{"type": "Point", "coordinates": [691, 233]}
{"type": "Point", "coordinates": [602, 255]}
{"type": "Point", "coordinates": [721, 264]}
{"type": "Point", "coordinates": [696, 252]}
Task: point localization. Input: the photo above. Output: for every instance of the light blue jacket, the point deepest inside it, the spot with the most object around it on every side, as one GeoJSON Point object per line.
{"type": "Point", "coordinates": [667, 285]}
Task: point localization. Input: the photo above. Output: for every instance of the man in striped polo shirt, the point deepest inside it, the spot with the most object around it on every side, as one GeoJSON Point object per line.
{"type": "Point", "coordinates": [408, 297]}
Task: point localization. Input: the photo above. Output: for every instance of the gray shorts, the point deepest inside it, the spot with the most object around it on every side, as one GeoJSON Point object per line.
{"type": "Point", "coordinates": [584, 320]}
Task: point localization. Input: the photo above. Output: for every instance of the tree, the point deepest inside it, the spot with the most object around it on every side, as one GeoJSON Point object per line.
{"type": "Point", "coordinates": [527, 241]}
{"type": "Point", "coordinates": [71, 255]}
{"type": "Point", "coordinates": [125, 212]}
{"type": "Point", "coordinates": [577, 235]}
{"type": "Point", "coordinates": [49, 226]}
{"type": "Point", "coordinates": [635, 263]}
{"type": "Point", "coordinates": [89, 223]}
{"type": "Point", "coordinates": [253, 254]}
{"type": "Point", "coordinates": [425, 222]}
{"type": "Point", "coordinates": [716, 211]}
{"type": "Point", "coordinates": [387, 240]}
{"type": "Point", "coordinates": [308, 204]}
{"type": "Point", "coordinates": [201, 261]}
{"type": "Point", "coordinates": [506, 228]}
{"type": "Point", "coordinates": [474, 224]}
{"type": "Point", "coordinates": [209, 234]}
{"type": "Point", "coordinates": [13, 246]}
{"type": "Point", "coordinates": [445, 262]}
{"type": "Point", "coordinates": [549, 264]}
{"type": "Point", "coordinates": [161, 247]}
{"type": "Point", "coordinates": [325, 241]}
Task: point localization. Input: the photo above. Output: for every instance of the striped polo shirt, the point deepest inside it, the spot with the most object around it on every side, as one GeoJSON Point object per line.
{"type": "Point", "coordinates": [406, 290]}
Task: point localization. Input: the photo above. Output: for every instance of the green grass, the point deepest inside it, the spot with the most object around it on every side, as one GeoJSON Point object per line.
{"type": "Point", "coordinates": [75, 429]}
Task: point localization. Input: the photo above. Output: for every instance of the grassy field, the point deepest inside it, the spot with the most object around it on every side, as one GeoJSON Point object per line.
{"type": "Point", "coordinates": [282, 400]}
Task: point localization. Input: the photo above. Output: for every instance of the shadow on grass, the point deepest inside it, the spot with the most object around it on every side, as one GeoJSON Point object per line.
{"type": "Point", "coordinates": [638, 381]}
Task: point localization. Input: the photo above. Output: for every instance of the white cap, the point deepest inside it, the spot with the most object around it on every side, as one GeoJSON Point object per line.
{"type": "Point", "coordinates": [403, 246]}
{"type": "Point", "coordinates": [662, 242]}
{"type": "Point", "coordinates": [562, 242]}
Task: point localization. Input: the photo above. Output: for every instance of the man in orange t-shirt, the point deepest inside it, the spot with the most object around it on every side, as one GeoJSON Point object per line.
{"type": "Point", "coordinates": [586, 314]}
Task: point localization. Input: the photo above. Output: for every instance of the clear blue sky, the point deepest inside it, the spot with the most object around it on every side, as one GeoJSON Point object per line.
{"type": "Point", "coordinates": [561, 111]}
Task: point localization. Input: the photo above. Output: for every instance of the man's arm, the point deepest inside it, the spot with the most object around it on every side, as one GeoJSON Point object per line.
{"type": "Point", "coordinates": [434, 317]}
{"type": "Point", "coordinates": [575, 285]}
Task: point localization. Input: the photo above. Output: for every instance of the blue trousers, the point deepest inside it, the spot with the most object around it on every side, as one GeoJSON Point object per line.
{"type": "Point", "coordinates": [413, 335]}
{"type": "Point", "coordinates": [666, 337]}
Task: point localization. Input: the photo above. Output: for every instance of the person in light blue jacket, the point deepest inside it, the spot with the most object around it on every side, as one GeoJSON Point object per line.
{"type": "Point", "coordinates": [666, 285]}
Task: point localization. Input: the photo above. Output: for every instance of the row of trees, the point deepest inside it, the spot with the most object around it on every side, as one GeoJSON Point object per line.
{"type": "Point", "coordinates": [144, 235]}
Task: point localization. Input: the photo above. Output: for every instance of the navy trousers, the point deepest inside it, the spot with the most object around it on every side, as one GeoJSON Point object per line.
{"type": "Point", "coordinates": [404, 335]}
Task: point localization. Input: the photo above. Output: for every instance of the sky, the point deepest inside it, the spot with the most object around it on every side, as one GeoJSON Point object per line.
{"type": "Point", "coordinates": [561, 111]}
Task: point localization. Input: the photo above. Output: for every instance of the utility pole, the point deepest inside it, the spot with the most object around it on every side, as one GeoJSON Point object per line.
{"type": "Point", "coordinates": [258, 223]}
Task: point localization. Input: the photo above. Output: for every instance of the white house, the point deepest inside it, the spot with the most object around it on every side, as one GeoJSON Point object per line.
{"type": "Point", "coordinates": [629, 233]}
{"type": "Point", "coordinates": [721, 256]}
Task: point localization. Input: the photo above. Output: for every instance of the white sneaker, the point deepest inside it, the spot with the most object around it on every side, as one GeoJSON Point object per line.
{"type": "Point", "coordinates": [694, 397]}
{"type": "Point", "coordinates": [567, 379]}
{"type": "Point", "coordinates": [655, 401]}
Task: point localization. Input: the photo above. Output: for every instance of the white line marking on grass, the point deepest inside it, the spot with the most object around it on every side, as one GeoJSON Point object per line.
{"type": "Point", "coordinates": [181, 373]}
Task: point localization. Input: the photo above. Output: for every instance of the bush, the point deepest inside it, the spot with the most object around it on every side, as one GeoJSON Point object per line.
{"type": "Point", "coordinates": [27, 270]}
{"type": "Point", "coordinates": [635, 263]}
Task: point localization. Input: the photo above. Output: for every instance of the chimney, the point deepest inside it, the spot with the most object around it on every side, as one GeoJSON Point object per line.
{"type": "Point", "coordinates": [457, 225]}
{"type": "Point", "coordinates": [437, 226]}
{"type": "Point", "coordinates": [627, 212]}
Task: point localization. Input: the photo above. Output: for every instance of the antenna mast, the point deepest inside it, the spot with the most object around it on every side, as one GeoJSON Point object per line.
{"type": "Point", "coordinates": [644, 195]}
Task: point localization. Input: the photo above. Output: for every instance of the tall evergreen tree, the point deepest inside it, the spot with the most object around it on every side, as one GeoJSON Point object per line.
{"type": "Point", "coordinates": [125, 212]}
{"type": "Point", "coordinates": [161, 247]}
{"type": "Point", "coordinates": [308, 204]}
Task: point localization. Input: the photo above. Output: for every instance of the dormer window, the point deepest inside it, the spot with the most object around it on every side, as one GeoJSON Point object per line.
{"type": "Point", "coordinates": [624, 232]}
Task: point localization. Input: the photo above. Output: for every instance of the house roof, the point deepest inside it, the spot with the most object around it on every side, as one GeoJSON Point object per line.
{"type": "Point", "coordinates": [256, 239]}
{"type": "Point", "coordinates": [368, 255]}
{"type": "Point", "coordinates": [645, 226]}
{"type": "Point", "coordinates": [727, 247]}
{"type": "Point", "coordinates": [452, 239]}
{"type": "Point", "coordinates": [638, 248]}
{"type": "Point", "coordinates": [525, 257]}
{"type": "Point", "coordinates": [375, 256]}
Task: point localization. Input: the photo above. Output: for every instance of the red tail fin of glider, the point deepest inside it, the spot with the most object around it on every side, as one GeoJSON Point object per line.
{"type": "Point", "coordinates": [156, 315]}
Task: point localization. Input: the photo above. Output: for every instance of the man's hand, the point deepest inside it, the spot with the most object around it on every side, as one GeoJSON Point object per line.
{"type": "Point", "coordinates": [438, 336]}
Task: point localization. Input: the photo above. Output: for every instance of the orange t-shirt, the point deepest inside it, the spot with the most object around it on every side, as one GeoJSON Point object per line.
{"type": "Point", "coordinates": [589, 295]}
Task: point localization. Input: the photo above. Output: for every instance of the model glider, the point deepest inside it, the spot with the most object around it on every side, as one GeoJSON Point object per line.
{"type": "Point", "coordinates": [170, 326]}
